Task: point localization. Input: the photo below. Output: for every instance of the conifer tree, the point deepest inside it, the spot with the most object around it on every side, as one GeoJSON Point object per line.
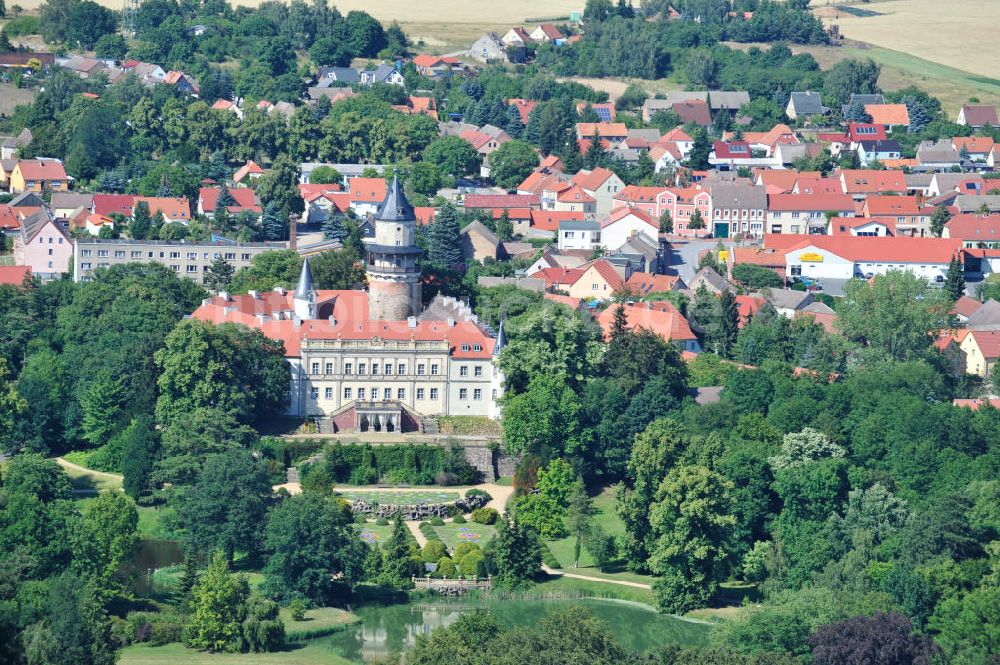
{"type": "Point", "coordinates": [954, 282]}
{"type": "Point", "coordinates": [182, 590]}
{"type": "Point", "coordinates": [516, 554]}
{"type": "Point", "coordinates": [444, 246]}
{"type": "Point", "coordinates": [272, 226]}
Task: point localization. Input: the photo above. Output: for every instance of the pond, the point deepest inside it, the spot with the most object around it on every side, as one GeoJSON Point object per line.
{"type": "Point", "coordinates": [391, 629]}
{"type": "Point", "coordinates": [151, 555]}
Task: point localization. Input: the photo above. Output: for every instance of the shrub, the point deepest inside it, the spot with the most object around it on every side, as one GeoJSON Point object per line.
{"type": "Point", "coordinates": [428, 531]}
{"type": "Point", "coordinates": [485, 515]}
{"type": "Point", "coordinates": [446, 479]}
{"type": "Point", "coordinates": [382, 521]}
{"type": "Point", "coordinates": [437, 521]}
{"type": "Point", "coordinates": [476, 492]}
{"type": "Point", "coordinates": [463, 549]}
{"type": "Point", "coordinates": [360, 518]}
{"type": "Point", "coordinates": [458, 520]}
{"type": "Point", "coordinates": [472, 565]}
{"type": "Point", "coordinates": [297, 608]}
{"type": "Point", "coordinates": [432, 551]}
{"type": "Point", "coordinates": [22, 25]}
{"type": "Point", "coordinates": [445, 567]}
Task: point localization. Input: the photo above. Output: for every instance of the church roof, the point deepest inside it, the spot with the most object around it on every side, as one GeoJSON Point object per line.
{"type": "Point", "coordinates": [395, 207]}
{"type": "Point", "coordinates": [305, 286]}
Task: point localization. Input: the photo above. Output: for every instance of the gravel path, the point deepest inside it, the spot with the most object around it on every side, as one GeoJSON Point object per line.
{"type": "Point", "coordinates": [637, 585]}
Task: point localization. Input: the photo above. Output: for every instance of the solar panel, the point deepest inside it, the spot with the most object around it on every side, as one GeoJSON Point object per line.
{"type": "Point", "coordinates": [604, 114]}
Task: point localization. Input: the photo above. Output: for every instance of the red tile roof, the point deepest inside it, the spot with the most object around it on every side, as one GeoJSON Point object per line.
{"type": "Point", "coordinates": [556, 277]}
{"type": "Point", "coordinates": [988, 342]}
{"type": "Point", "coordinates": [888, 114]}
{"type": "Point", "coordinates": [367, 190]}
{"type": "Point", "coordinates": [644, 283]}
{"type": "Point", "coordinates": [977, 115]}
{"type": "Point", "coordinates": [501, 201]}
{"type": "Point", "coordinates": [975, 404]}
{"type": "Point", "coordinates": [524, 108]}
{"type": "Point", "coordinates": [862, 131]}
{"type": "Point", "coordinates": [868, 181]}
{"type": "Point", "coordinates": [812, 202]}
{"type": "Point", "coordinates": [638, 194]}
{"type": "Point", "coordinates": [607, 272]}
{"type": "Point", "coordinates": [693, 110]}
{"type": "Point", "coordinates": [974, 145]}
{"type": "Point", "coordinates": [604, 129]}
{"type": "Point", "coordinates": [966, 306]}
{"type": "Point", "coordinates": [105, 204]}
{"type": "Point", "coordinates": [244, 197]}
{"type": "Point", "coordinates": [621, 213]}
{"type": "Point", "coordinates": [41, 169]}
{"type": "Point", "coordinates": [569, 301]}
{"type": "Point", "coordinates": [974, 227]}
{"type": "Point", "coordinates": [551, 31]}
{"type": "Point", "coordinates": [14, 274]}
{"type": "Point", "coordinates": [891, 206]}
{"type": "Point", "coordinates": [250, 168]}
{"type": "Point", "coordinates": [660, 318]}
{"type": "Point", "coordinates": [883, 250]}
{"type": "Point", "coordinates": [783, 178]}
{"type": "Point", "coordinates": [592, 180]}
{"type": "Point", "coordinates": [8, 218]}
{"type": "Point", "coordinates": [575, 194]}
{"type": "Point", "coordinates": [548, 220]}
{"type": "Point", "coordinates": [174, 209]}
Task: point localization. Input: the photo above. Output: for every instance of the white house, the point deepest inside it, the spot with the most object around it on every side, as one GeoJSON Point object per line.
{"type": "Point", "coordinates": [579, 235]}
{"type": "Point", "coordinates": [624, 224]}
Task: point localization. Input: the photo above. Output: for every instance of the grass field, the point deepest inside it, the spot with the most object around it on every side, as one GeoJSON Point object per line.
{"type": "Point", "coordinates": [11, 97]}
{"type": "Point", "coordinates": [318, 621]}
{"type": "Point", "coordinates": [309, 653]}
{"type": "Point", "coordinates": [452, 534]}
{"type": "Point", "coordinates": [400, 497]}
{"type": "Point", "coordinates": [587, 589]}
{"type": "Point", "coordinates": [962, 36]}
{"type": "Point", "coordinates": [88, 480]}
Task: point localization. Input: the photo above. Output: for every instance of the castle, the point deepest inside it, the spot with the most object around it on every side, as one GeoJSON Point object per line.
{"type": "Point", "coordinates": [375, 361]}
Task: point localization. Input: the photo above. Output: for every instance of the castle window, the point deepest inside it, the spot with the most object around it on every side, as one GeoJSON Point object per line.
{"type": "Point", "coordinates": [387, 393]}
{"type": "Point", "coordinates": [315, 368]}
{"type": "Point", "coordinates": [401, 393]}
{"type": "Point", "coordinates": [374, 393]}
{"type": "Point", "coordinates": [374, 368]}
{"type": "Point", "coordinates": [388, 368]}
{"type": "Point", "coordinates": [420, 393]}
{"type": "Point", "coordinates": [434, 369]}
{"type": "Point", "coordinates": [329, 368]}
{"type": "Point", "coordinates": [479, 371]}
{"type": "Point", "coordinates": [434, 393]}
{"type": "Point", "coordinates": [348, 368]}
{"type": "Point", "coordinates": [347, 393]}
{"type": "Point", "coordinates": [465, 347]}
{"type": "Point", "coordinates": [328, 393]}
{"type": "Point", "coordinates": [401, 369]}
{"type": "Point", "coordinates": [362, 368]}
{"type": "Point", "coordinates": [477, 393]}
{"type": "Point", "coordinates": [421, 369]}
{"type": "Point", "coordinates": [477, 347]}
{"type": "Point", "coordinates": [463, 393]}
{"type": "Point", "coordinates": [463, 370]}
{"type": "Point", "coordinates": [314, 393]}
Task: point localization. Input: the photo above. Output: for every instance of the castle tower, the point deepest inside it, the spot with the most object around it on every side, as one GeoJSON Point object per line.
{"type": "Point", "coordinates": [393, 274]}
{"type": "Point", "coordinates": [304, 298]}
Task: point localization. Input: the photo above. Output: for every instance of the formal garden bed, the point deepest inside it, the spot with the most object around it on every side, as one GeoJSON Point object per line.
{"type": "Point", "coordinates": [452, 534]}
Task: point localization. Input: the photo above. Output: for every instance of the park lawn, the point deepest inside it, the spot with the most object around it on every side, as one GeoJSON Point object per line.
{"type": "Point", "coordinates": [87, 480]}
{"type": "Point", "coordinates": [308, 653]}
{"type": "Point", "coordinates": [450, 533]}
{"type": "Point", "coordinates": [151, 521]}
{"type": "Point", "coordinates": [378, 534]}
{"type": "Point", "coordinates": [400, 497]}
{"type": "Point", "coordinates": [318, 622]}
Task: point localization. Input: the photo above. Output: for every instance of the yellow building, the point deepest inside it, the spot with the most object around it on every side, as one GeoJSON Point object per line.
{"type": "Point", "coordinates": [38, 175]}
{"type": "Point", "coordinates": [981, 349]}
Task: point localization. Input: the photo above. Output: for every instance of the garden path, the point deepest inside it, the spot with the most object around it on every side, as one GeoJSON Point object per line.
{"type": "Point", "coordinates": [553, 571]}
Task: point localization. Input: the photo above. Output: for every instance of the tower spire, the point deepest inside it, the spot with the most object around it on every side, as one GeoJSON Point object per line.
{"type": "Point", "coordinates": [305, 286]}
{"type": "Point", "coordinates": [395, 207]}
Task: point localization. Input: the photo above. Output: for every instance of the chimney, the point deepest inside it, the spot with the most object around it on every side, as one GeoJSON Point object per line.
{"type": "Point", "coordinates": [280, 290]}
{"type": "Point", "coordinates": [254, 294]}
{"type": "Point", "coordinates": [411, 321]}
{"type": "Point", "coordinates": [296, 322]}
{"type": "Point", "coordinates": [205, 301]}
{"type": "Point", "coordinates": [293, 232]}
{"type": "Point", "coordinates": [451, 322]}
{"type": "Point", "coordinates": [333, 321]}
{"type": "Point", "coordinates": [224, 295]}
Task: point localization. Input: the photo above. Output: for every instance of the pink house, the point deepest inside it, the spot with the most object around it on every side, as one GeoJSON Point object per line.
{"type": "Point", "coordinates": [43, 246]}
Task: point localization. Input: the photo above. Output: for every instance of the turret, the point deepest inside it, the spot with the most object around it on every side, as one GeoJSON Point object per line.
{"type": "Point", "coordinates": [393, 274]}
{"type": "Point", "coordinates": [304, 299]}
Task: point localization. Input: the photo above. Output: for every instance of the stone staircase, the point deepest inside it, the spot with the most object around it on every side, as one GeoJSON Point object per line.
{"type": "Point", "coordinates": [430, 425]}
{"type": "Point", "coordinates": [324, 425]}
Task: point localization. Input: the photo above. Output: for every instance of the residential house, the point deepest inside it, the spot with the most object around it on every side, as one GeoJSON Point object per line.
{"type": "Point", "coordinates": [485, 143]}
{"type": "Point", "coordinates": [382, 74]}
{"type": "Point", "coordinates": [650, 200]}
{"type": "Point", "coordinates": [184, 83]}
{"type": "Point", "coordinates": [860, 183]}
{"type": "Point", "coordinates": [974, 230]}
{"type": "Point", "coordinates": [863, 99]}
{"type": "Point", "coordinates": [22, 60]}
{"type": "Point", "coordinates": [986, 317]}
{"type": "Point", "coordinates": [14, 275]}
{"type": "Point", "coordinates": [340, 76]}
{"type": "Point", "coordinates": [613, 132]}
{"type": "Point", "coordinates": [579, 235]}
{"type": "Point", "coordinates": [605, 112]}
{"type": "Point", "coordinates": [978, 116]}
{"type": "Point", "coordinates": [94, 223]}
{"type": "Point", "coordinates": [806, 213]}
{"type": "Point", "coordinates": [602, 184]}
{"type": "Point", "coordinates": [84, 67]}
{"type": "Point", "coordinates": [622, 224]}
{"type": "Point", "coordinates": [38, 175]}
{"type": "Point", "coordinates": [965, 307]}
{"type": "Point", "coordinates": [244, 201]}
{"type": "Point", "coordinates": [737, 208]}
{"type": "Point", "coordinates": [322, 201]}
{"type": "Point", "coordinates": [105, 204]}
{"type": "Point", "coordinates": [685, 201]}
{"type": "Point", "coordinates": [488, 48]}
{"type": "Point", "coordinates": [804, 104]}
{"type": "Point", "coordinates": [544, 223]}
{"type": "Point", "coordinates": [661, 318]}
{"type": "Point", "coordinates": [653, 106]}
{"type": "Point", "coordinates": [864, 131]}
{"type": "Point", "coordinates": [937, 155]}
{"type": "Point", "coordinates": [904, 211]}
{"type": "Point", "coordinates": [436, 66]}
{"type": "Point", "coordinates": [479, 243]}
{"type": "Point", "coordinates": [366, 195]}
{"type": "Point", "coordinates": [516, 37]}
{"type": "Point", "coordinates": [820, 314]}
{"type": "Point", "coordinates": [878, 151]}
{"type": "Point", "coordinates": [882, 227]}
{"type": "Point", "coordinates": [981, 349]}
{"type": "Point", "coordinates": [600, 280]}
{"type": "Point", "coordinates": [43, 246]}
{"type": "Point", "coordinates": [576, 199]}
{"type": "Point", "coordinates": [524, 108]}
{"type": "Point", "coordinates": [63, 204]}
{"type": "Point", "coordinates": [693, 111]}
{"type": "Point", "coordinates": [11, 145]}
{"type": "Point", "coordinates": [973, 148]}
{"type": "Point", "coordinates": [547, 32]}
{"type": "Point", "coordinates": [173, 208]}
{"type": "Point", "coordinates": [642, 284]}
{"type": "Point", "coordinates": [227, 105]}
{"type": "Point", "coordinates": [967, 203]}
{"type": "Point", "coordinates": [772, 259]}
{"type": "Point", "coordinates": [788, 302]}
{"type": "Point", "coordinates": [509, 202]}
{"type": "Point", "coordinates": [247, 173]}
{"type": "Point", "coordinates": [711, 280]}
{"type": "Point", "coordinates": [728, 100]}
{"type": "Point", "coordinates": [888, 115]}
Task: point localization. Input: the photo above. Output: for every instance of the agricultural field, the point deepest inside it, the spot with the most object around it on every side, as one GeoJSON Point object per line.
{"type": "Point", "coordinates": [964, 39]}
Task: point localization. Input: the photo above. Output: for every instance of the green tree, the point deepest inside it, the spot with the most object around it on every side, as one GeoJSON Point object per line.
{"type": "Point", "coordinates": [800, 448]}
{"type": "Point", "coordinates": [543, 420]}
{"type": "Point", "coordinates": [36, 476]}
{"type": "Point", "coordinates": [690, 523]}
{"type": "Point", "coordinates": [337, 269]}
{"type": "Point", "coordinates": [696, 221]}
{"type": "Point", "coordinates": [954, 283]}
{"type": "Point", "coordinates": [325, 175]}
{"type": "Point", "coordinates": [968, 625]}
{"type": "Point", "coordinates": [516, 554]}
{"type": "Point", "coordinates": [187, 581]}
{"type": "Point", "coordinates": [279, 186]}
{"type": "Point", "coordinates": [939, 219]}
{"type": "Point", "coordinates": [101, 404]}
{"type": "Point", "coordinates": [226, 508]}
{"type": "Point", "coordinates": [424, 178]}
{"type": "Point", "coordinates": [139, 227]}
{"type": "Point", "coordinates": [218, 602]}
{"type": "Point", "coordinates": [107, 537]}
{"type": "Point", "coordinates": [755, 277]}
{"type": "Point", "coordinates": [73, 628]}
{"type": "Point", "coordinates": [666, 222]}
{"type": "Point", "coordinates": [454, 156]}
{"type": "Point", "coordinates": [398, 565]}
{"type": "Point", "coordinates": [542, 514]}
{"type": "Point", "coordinates": [273, 225]}
{"type": "Point", "coordinates": [504, 227]}
{"type": "Point", "coordinates": [579, 517]}
{"type": "Point", "coordinates": [228, 367]}
{"type": "Point", "coordinates": [87, 22]}
{"type": "Point", "coordinates": [312, 542]}
{"type": "Point", "coordinates": [219, 275]}
{"type": "Point", "coordinates": [700, 150]}
{"type": "Point", "coordinates": [512, 162]}
{"type": "Point", "coordinates": [895, 315]}
{"type": "Point", "coordinates": [111, 46]}
{"type": "Point", "coordinates": [729, 318]}
{"type": "Point", "coordinates": [444, 242]}
{"type": "Point", "coordinates": [11, 405]}
{"type": "Point", "coordinates": [654, 452]}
